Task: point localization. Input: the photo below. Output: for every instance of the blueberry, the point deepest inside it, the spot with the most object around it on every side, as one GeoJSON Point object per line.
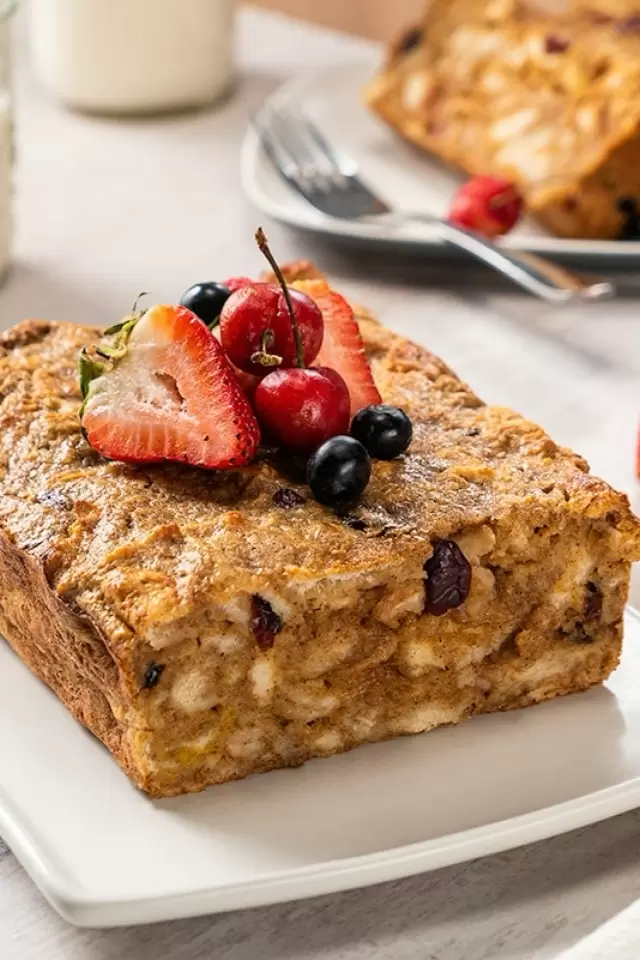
{"type": "Point", "coordinates": [384, 431]}
{"type": "Point", "coordinates": [338, 471]}
{"type": "Point", "coordinates": [287, 499]}
{"type": "Point", "coordinates": [206, 300]}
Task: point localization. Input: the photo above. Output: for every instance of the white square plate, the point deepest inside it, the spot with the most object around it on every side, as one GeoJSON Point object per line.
{"type": "Point", "coordinates": [404, 176]}
{"type": "Point", "coordinates": [106, 855]}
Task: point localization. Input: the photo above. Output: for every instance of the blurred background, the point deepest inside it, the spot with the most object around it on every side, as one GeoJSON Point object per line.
{"type": "Point", "coordinates": [377, 19]}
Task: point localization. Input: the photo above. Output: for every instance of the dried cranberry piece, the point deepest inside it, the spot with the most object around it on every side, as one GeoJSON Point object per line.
{"type": "Point", "coordinates": [630, 25]}
{"type": "Point", "coordinates": [448, 578]}
{"type": "Point", "coordinates": [592, 603]}
{"type": "Point", "coordinates": [555, 44]}
{"type": "Point", "coordinates": [580, 635]}
{"type": "Point", "coordinates": [628, 207]}
{"type": "Point", "coordinates": [352, 521]}
{"type": "Point", "coordinates": [287, 498]}
{"type": "Point", "coordinates": [152, 674]}
{"type": "Point", "coordinates": [265, 622]}
{"type": "Point", "coordinates": [597, 16]}
{"type": "Point", "coordinates": [410, 40]}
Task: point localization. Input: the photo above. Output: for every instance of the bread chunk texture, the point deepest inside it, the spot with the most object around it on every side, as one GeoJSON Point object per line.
{"type": "Point", "coordinates": [206, 626]}
{"type": "Point", "coordinates": [550, 101]}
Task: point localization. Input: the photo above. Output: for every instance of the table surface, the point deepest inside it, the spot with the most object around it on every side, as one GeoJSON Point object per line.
{"type": "Point", "coordinates": [106, 209]}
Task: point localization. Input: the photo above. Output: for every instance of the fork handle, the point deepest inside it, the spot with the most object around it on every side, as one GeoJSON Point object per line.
{"type": "Point", "coordinates": [541, 277]}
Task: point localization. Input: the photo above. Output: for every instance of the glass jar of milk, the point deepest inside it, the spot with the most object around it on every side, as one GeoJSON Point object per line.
{"type": "Point", "coordinates": [6, 146]}
{"type": "Point", "coordinates": [132, 56]}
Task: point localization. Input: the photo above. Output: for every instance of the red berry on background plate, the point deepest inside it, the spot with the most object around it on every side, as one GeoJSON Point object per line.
{"type": "Point", "coordinates": [488, 205]}
{"type": "Point", "coordinates": [301, 408]}
{"type": "Point", "coordinates": [255, 321]}
{"type": "Point", "coordinates": [159, 387]}
{"type": "Point", "coordinates": [342, 347]}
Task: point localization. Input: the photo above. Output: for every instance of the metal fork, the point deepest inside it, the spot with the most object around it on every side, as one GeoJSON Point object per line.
{"type": "Point", "coordinates": [330, 181]}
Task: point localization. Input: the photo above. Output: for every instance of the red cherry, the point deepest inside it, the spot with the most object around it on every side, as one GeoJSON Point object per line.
{"type": "Point", "coordinates": [237, 283]}
{"type": "Point", "coordinates": [333, 375]}
{"type": "Point", "coordinates": [489, 205]}
{"type": "Point", "coordinates": [256, 320]}
{"type": "Point", "coordinates": [301, 408]}
{"type": "Point", "coordinates": [247, 381]}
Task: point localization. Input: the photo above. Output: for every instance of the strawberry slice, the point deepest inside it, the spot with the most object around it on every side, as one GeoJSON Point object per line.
{"type": "Point", "coordinates": [342, 347]}
{"type": "Point", "coordinates": [159, 387]}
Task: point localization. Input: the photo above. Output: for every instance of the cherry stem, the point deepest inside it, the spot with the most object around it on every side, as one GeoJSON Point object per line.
{"type": "Point", "coordinates": [266, 359]}
{"type": "Point", "coordinates": [261, 240]}
{"type": "Point", "coordinates": [262, 356]}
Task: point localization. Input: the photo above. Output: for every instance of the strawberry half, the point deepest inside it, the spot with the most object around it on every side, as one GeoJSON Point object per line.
{"type": "Point", "coordinates": [342, 347]}
{"type": "Point", "coordinates": [159, 387]}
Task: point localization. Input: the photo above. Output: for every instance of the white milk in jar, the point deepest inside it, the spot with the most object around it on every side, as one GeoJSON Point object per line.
{"type": "Point", "coordinates": [132, 56]}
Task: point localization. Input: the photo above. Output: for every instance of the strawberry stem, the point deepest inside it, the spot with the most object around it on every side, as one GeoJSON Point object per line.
{"type": "Point", "coordinates": [136, 302]}
{"type": "Point", "coordinates": [261, 240]}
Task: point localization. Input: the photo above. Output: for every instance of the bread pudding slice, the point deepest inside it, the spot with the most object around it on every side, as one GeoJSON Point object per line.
{"type": "Point", "coordinates": [206, 626]}
{"type": "Point", "coordinates": [551, 101]}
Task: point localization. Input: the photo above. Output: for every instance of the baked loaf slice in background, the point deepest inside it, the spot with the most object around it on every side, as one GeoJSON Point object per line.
{"type": "Point", "coordinates": [208, 626]}
{"type": "Point", "coordinates": [550, 101]}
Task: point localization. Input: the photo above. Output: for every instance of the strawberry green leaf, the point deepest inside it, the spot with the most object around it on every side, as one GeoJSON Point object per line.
{"type": "Point", "coordinates": [117, 347]}
{"type": "Point", "coordinates": [89, 370]}
{"type": "Point", "coordinates": [116, 328]}
{"type": "Point", "coordinates": [100, 359]}
{"type": "Point", "coordinates": [130, 320]}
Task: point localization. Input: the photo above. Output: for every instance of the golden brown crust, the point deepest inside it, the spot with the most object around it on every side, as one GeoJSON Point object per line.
{"type": "Point", "coordinates": [110, 569]}
{"type": "Point", "coordinates": [552, 102]}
